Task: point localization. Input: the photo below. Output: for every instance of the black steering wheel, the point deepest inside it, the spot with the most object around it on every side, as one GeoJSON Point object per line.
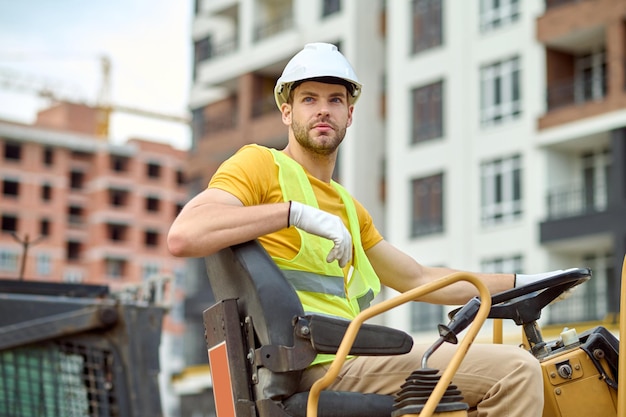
{"type": "Point", "coordinates": [524, 304]}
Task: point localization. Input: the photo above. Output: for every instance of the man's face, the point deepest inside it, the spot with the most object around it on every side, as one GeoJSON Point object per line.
{"type": "Point", "coordinates": [318, 115]}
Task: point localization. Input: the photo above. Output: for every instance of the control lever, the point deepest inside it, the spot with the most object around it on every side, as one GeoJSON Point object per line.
{"type": "Point", "coordinates": [459, 322]}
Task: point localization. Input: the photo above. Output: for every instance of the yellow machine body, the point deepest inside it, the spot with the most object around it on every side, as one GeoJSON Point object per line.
{"type": "Point", "coordinates": [574, 387]}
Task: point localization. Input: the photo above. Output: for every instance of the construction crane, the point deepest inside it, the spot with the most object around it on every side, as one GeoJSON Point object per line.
{"type": "Point", "coordinates": [55, 91]}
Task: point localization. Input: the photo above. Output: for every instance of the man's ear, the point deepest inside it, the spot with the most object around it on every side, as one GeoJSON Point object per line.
{"type": "Point", "coordinates": [350, 110]}
{"type": "Point", "coordinates": [285, 110]}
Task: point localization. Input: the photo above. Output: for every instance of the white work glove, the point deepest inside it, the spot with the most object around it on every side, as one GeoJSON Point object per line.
{"type": "Point", "coordinates": [523, 279]}
{"type": "Point", "coordinates": [326, 225]}
{"type": "Point", "coordinates": [526, 279]}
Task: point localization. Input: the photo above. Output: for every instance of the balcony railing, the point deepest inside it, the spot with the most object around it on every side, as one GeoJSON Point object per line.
{"type": "Point", "coordinates": [206, 50]}
{"type": "Point", "coordinates": [574, 201]}
{"type": "Point", "coordinates": [575, 91]}
{"type": "Point", "coordinates": [263, 106]}
{"type": "Point", "coordinates": [269, 28]}
{"type": "Point", "coordinates": [226, 47]}
{"type": "Point", "coordinates": [218, 123]}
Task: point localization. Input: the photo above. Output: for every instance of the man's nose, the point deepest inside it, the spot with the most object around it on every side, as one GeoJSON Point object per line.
{"type": "Point", "coordinates": [323, 109]}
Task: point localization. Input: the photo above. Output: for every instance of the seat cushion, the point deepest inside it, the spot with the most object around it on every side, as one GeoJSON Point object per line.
{"type": "Point", "coordinates": [342, 404]}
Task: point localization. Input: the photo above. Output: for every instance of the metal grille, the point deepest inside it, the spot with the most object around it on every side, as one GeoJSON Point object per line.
{"type": "Point", "coordinates": [57, 379]}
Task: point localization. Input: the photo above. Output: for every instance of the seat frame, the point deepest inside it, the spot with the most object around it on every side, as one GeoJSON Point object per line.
{"type": "Point", "coordinates": [260, 341]}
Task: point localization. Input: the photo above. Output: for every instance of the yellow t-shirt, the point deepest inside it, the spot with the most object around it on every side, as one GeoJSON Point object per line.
{"type": "Point", "coordinates": [251, 175]}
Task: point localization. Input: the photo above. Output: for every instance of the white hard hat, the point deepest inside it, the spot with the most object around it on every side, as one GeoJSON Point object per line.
{"type": "Point", "coordinates": [317, 60]}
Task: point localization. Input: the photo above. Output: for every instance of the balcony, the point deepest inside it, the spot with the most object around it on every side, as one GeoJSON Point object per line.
{"type": "Point", "coordinates": [576, 212]}
{"type": "Point", "coordinates": [576, 91]}
{"type": "Point", "coordinates": [271, 27]}
{"type": "Point", "coordinates": [218, 123]}
{"type": "Point", "coordinates": [571, 201]}
{"type": "Point", "coordinates": [206, 50]}
{"type": "Point", "coordinates": [225, 47]}
{"type": "Point", "coordinates": [264, 105]}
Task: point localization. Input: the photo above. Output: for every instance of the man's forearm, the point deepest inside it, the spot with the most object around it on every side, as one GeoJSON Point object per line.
{"type": "Point", "coordinates": [206, 228]}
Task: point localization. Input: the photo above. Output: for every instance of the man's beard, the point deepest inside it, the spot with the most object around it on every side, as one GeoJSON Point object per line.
{"type": "Point", "coordinates": [327, 147]}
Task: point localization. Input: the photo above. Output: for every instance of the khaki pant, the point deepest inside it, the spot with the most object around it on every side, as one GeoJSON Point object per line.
{"type": "Point", "coordinates": [495, 380]}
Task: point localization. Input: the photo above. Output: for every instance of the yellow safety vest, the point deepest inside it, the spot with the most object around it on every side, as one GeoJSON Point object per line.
{"type": "Point", "coordinates": [321, 286]}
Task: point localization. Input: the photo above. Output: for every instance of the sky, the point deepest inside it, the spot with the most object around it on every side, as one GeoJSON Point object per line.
{"type": "Point", "coordinates": [59, 44]}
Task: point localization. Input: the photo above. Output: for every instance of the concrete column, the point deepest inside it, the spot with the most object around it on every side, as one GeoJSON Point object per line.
{"type": "Point", "coordinates": [616, 58]}
{"type": "Point", "coordinates": [617, 208]}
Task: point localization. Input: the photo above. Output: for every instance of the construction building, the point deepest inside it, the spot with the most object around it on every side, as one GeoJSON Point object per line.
{"type": "Point", "coordinates": [86, 210]}
{"type": "Point", "coordinates": [77, 208]}
{"type": "Point", "coordinates": [506, 130]}
{"type": "Point", "coordinates": [489, 136]}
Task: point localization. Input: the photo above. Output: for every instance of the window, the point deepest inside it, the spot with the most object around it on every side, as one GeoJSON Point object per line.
{"type": "Point", "coordinates": [46, 192]}
{"type": "Point", "coordinates": [197, 126]}
{"type": "Point", "coordinates": [77, 179]}
{"type": "Point", "coordinates": [180, 177]}
{"type": "Point", "coordinates": [115, 267]}
{"type": "Point", "coordinates": [119, 163]}
{"type": "Point", "coordinates": [503, 265]}
{"type": "Point", "coordinates": [203, 49]}
{"type": "Point", "coordinates": [10, 188]}
{"type": "Point", "coordinates": [588, 191]}
{"type": "Point", "coordinates": [118, 197]}
{"type": "Point", "coordinates": [427, 199]}
{"type": "Point", "coordinates": [44, 227]}
{"type": "Point", "coordinates": [596, 167]}
{"type": "Point", "coordinates": [427, 25]}
{"type": "Point", "coordinates": [590, 76]}
{"type": "Point", "coordinates": [425, 316]}
{"type": "Point", "coordinates": [116, 232]}
{"type": "Point", "coordinates": [590, 300]}
{"type": "Point", "coordinates": [497, 13]}
{"type": "Point", "coordinates": [427, 112]}
{"type": "Point", "coordinates": [153, 170]}
{"type": "Point", "coordinates": [8, 260]}
{"type": "Point", "coordinates": [75, 277]}
{"type": "Point", "coordinates": [12, 151]}
{"type": "Point", "coordinates": [152, 204]}
{"type": "Point", "coordinates": [501, 190]}
{"type": "Point", "coordinates": [75, 215]}
{"type": "Point", "coordinates": [151, 238]}
{"type": "Point", "coordinates": [81, 156]}
{"type": "Point", "coordinates": [178, 208]}
{"type": "Point", "coordinates": [43, 264]}
{"type": "Point", "coordinates": [500, 92]}
{"type": "Point", "coordinates": [9, 223]}
{"type": "Point", "coordinates": [149, 270]}
{"type": "Point", "coordinates": [48, 156]}
{"type": "Point", "coordinates": [330, 7]}
{"type": "Point", "coordinates": [74, 249]}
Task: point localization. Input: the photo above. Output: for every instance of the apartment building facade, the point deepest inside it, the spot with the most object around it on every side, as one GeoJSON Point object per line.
{"type": "Point", "coordinates": [505, 126]}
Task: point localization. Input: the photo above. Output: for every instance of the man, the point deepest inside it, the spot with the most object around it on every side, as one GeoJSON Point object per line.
{"type": "Point", "coordinates": [327, 246]}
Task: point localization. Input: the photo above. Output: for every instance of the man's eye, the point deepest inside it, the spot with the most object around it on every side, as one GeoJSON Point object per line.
{"type": "Point", "coordinates": [307, 99]}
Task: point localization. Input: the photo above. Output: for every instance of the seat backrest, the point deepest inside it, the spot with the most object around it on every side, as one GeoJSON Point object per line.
{"type": "Point", "coordinates": [246, 273]}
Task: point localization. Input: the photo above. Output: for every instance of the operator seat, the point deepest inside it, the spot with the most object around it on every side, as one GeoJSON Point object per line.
{"type": "Point", "coordinates": [260, 340]}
